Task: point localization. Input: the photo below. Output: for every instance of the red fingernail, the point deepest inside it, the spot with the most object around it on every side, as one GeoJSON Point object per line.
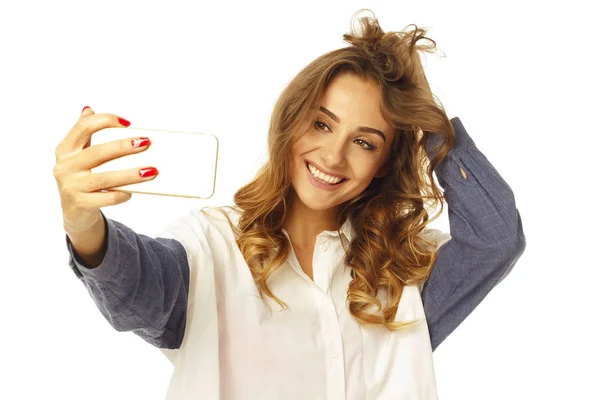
{"type": "Point", "coordinates": [85, 108]}
{"type": "Point", "coordinates": [140, 142]}
{"type": "Point", "coordinates": [146, 172]}
{"type": "Point", "coordinates": [124, 122]}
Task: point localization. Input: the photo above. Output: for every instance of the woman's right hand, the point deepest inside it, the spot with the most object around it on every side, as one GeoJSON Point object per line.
{"type": "Point", "coordinates": [83, 193]}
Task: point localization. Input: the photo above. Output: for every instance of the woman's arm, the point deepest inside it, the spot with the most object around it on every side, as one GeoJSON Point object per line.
{"type": "Point", "coordinates": [141, 285]}
{"type": "Point", "coordinates": [487, 236]}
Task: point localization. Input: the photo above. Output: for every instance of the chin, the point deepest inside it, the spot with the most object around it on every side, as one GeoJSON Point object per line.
{"type": "Point", "coordinates": [315, 200]}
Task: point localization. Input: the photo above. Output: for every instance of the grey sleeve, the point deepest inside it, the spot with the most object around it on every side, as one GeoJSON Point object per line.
{"type": "Point", "coordinates": [141, 285]}
{"type": "Point", "coordinates": [487, 237]}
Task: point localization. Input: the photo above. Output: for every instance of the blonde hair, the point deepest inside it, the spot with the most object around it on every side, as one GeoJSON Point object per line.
{"type": "Point", "coordinates": [387, 250]}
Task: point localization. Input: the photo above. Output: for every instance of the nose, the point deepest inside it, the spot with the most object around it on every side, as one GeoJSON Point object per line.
{"type": "Point", "coordinates": [333, 152]}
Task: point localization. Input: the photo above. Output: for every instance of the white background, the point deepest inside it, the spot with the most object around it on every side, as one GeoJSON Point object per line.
{"type": "Point", "coordinates": [521, 75]}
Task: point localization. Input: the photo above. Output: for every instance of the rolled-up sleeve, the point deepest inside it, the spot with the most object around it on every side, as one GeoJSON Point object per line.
{"type": "Point", "coordinates": [141, 285]}
{"type": "Point", "coordinates": [486, 232]}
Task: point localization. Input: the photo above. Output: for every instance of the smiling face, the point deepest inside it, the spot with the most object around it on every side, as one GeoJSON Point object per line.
{"type": "Point", "coordinates": [349, 139]}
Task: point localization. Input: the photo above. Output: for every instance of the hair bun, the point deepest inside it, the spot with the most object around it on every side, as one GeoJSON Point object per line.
{"type": "Point", "coordinates": [392, 53]}
{"type": "Point", "coordinates": [365, 32]}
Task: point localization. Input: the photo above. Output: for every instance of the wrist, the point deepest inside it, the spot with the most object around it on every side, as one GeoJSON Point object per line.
{"type": "Point", "coordinates": [79, 225]}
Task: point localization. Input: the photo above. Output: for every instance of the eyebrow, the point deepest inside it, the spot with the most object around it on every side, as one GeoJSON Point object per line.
{"type": "Point", "coordinates": [364, 129]}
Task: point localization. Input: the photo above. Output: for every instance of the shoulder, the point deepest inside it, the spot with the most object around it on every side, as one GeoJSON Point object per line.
{"type": "Point", "coordinates": [195, 221]}
{"type": "Point", "coordinates": [202, 227]}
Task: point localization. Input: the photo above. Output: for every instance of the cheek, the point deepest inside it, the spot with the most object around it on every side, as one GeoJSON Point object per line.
{"type": "Point", "coordinates": [299, 147]}
{"type": "Point", "coordinates": [365, 169]}
{"type": "Point", "coordinates": [298, 150]}
{"type": "Point", "coordinates": [295, 162]}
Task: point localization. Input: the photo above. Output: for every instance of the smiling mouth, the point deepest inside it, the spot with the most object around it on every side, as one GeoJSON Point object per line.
{"type": "Point", "coordinates": [332, 184]}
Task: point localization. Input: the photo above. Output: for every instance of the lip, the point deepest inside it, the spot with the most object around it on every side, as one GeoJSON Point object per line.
{"type": "Point", "coordinates": [324, 170]}
{"type": "Point", "coordinates": [325, 186]}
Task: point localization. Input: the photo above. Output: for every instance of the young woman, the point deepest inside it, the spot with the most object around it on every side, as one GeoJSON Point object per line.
{"type": "Point", "coordinates": [322, 282]}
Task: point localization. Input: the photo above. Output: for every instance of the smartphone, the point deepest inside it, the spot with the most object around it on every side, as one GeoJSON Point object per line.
{"type": "Point", "coordinates": [186, 161]}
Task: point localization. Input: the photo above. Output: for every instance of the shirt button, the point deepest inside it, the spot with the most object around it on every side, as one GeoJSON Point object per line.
{"type": "Point", "coordinates": [334, 354]}
{"type": "Point", "coordinates": [323, 248]}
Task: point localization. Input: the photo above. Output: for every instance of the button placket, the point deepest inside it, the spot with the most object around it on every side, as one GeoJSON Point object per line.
{"type": "Point", "coordinates": [322, 264]}
{"type": "Point", "coordinates": [335, 371]}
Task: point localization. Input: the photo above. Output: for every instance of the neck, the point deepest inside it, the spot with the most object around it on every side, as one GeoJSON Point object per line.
{"type": "Point", "coordinates": [303, 224]}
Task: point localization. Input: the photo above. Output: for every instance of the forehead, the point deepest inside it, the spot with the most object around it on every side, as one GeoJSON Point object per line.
{"type": "Point", "coordinates": [356, 101]}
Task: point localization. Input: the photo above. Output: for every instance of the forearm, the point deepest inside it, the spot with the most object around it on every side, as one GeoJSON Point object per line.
{"type": "Point", "coordinates": [487, 237]}
{"type": "Point", "coordinates": [481, 205]}
{"type": "Point", "coordinates": [141, 284]}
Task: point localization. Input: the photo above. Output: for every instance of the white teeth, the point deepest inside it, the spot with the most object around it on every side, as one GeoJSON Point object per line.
{"type": "Point", "coordinates": [327, 178]}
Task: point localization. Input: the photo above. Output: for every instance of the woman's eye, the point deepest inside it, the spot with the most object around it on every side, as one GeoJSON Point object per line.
{"type": "Point", "coordinates": [319, 123]}
{"type": "Point", "coordinates": [365, 145]}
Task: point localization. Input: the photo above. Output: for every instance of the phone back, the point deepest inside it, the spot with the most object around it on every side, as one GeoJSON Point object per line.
{"type": "Point", "coordinates": [186, 161]}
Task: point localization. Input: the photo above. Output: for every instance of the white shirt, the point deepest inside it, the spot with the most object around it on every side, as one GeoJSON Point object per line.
{"type": "Point", "coordinates": [237, 346]}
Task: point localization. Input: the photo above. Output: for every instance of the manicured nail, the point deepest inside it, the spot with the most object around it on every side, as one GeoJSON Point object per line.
{"type": "Point", "coordinates": [85, 108]}
{"type": "Point", "coordinates": [140, 142]}
{"type": "Point", "coordinates": [124, 122]}
{"type": "Point", "coordinates": [147, 172]}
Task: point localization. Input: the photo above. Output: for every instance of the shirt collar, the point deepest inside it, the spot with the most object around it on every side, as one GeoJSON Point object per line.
{"type": "Point", "coordinates": [345, 229]}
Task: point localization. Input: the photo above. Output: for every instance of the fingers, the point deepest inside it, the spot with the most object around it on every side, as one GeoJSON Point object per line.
{"type": "Point", "coordinates": [79, 136]}
{"type": "Point", "coordinates": [106, 180]}
{"type": "Point", "coordinates": [95, 155]}
{"type": "Point", "coordinates": [85, 112]}
{"type": "Point", "coordinates": [83, 192]}
{"type": "Point", "coordinates": [104, 199]}
{"type": "Point", "coordinates": [73, 185]}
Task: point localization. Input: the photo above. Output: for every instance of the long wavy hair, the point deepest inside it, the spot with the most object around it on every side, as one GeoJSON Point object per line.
{"type": "Point", "coordinates": [387, 217]}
